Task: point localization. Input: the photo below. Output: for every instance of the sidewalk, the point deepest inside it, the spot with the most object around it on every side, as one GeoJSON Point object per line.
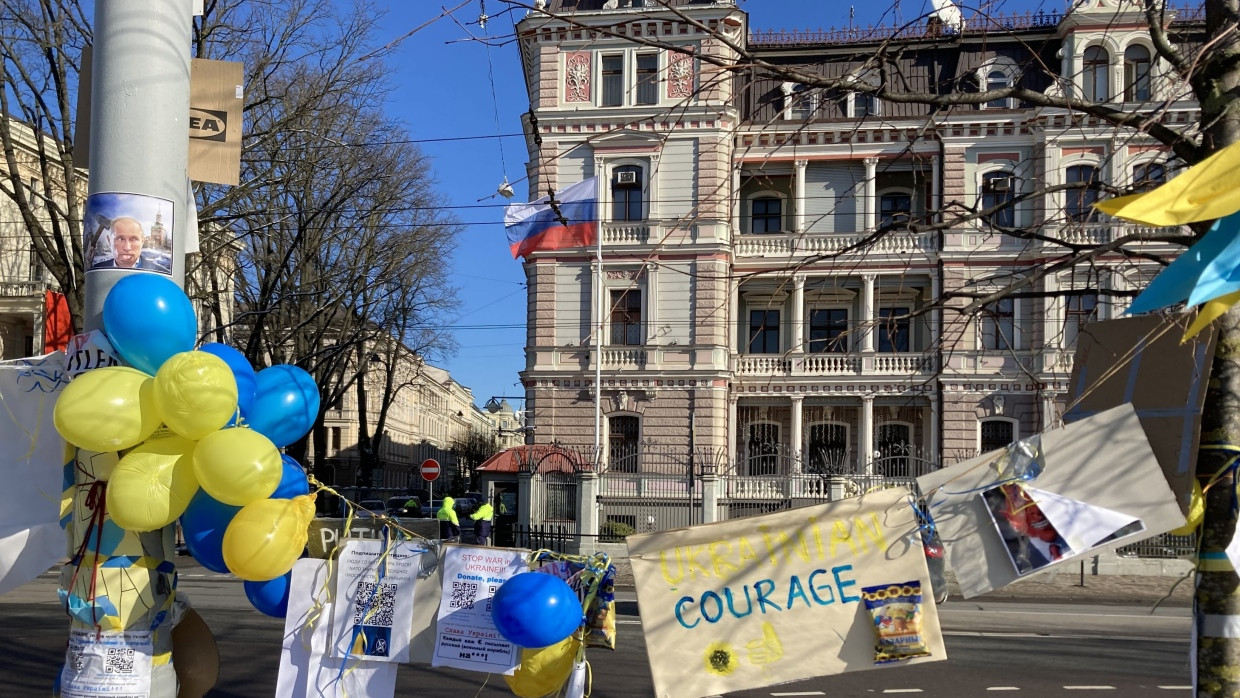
{"type": "Point", "coordinates": [1059, 586]}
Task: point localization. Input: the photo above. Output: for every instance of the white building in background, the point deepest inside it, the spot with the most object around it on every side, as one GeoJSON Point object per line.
{"type": "Point", "coordinates": [750, 312]}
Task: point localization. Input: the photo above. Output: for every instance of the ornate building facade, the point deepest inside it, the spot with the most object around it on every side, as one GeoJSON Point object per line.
{"type": "Point", "coordinates": [792, 277]}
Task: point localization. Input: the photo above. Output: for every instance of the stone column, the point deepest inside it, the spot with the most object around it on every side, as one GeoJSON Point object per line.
{"type": "Point", "coordinates": [1050, 416]}
{"type": "Point", "coordinates": [651, 330]}
{"type": "Point", "coordinates": [871, 195]}
{"type": "Point", "coordinates": [867, 313]}
{"type": "Point", "coordinates": [587, 512]}
{"type": "Point", "coordinates": [933, 427]}
{"type": "Point", "coordinates": [798, 313]}
{"type": "Point", "coordinates": [734, 315]}
{"type": "Point", "coordinates": [936, 193]}
{"type": "Point", "coordinates": [732, 436]}
{"type": "Point", "coordinates": [711, 489]}
{"type": "Point", "coordinates": [795, 445]}
{"type": "Point", "coordinates": [865, 439]}
{"type": "Point", "coordinates": [798, 210]}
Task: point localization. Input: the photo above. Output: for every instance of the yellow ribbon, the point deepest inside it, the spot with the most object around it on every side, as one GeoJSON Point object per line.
{"type": "Point", "coordinates": [1208, 190]}
{"type": "Point", "coordinates": [1210, 311]}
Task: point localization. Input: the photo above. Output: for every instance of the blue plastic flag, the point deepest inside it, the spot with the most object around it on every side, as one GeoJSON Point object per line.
{"type": "Point", "coordinates": [1182, 280]}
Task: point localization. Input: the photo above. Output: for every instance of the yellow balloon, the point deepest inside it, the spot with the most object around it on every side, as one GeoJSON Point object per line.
{"type": "Point", "coordinates": [238, 466]}
{"type": "Point", "coordinates": [265, 538]}
{"type": "Point", "coordinates": [152, 484]}
{"type": "Point", "coordinates": [107, 409]}
{"type": "Point", "coordinates": [195, 393]}
{"type": "Point", "coordinates": [543, 671]}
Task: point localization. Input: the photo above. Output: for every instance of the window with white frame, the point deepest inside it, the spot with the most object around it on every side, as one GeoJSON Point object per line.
{"type": "Point", "coordinates": [623, 433]}
{"type": "Point", "coordinates": [998, 195]}
{"type": "Point", "coordinates": [1079, 310]}
{"type": "Point", "coordinates": [1148, 175]}
{"type": "Point", "coordinates": [1136, 73]}
{"type": "Point", "coordinates": [629, 78]}
{"type": "Point", "coordinates": [764, 331]}
{"type": "Point", "coordinates": [863, 104]}
{"type": "Point", "coordinates": [626, 317]}
{"type": "Point", "coordinates": [893, 329]}
{"type": "Point", "coordinates": [828, 449]}
{"type": "Point", "coordinates": [647, 78]}
{"type": "Point", "coordinates": [762, 449]}
{"type": "Point", "coordinates": [895, 208]}
{"type": "Point", "coordinates": [801, 101]}
{"type": "Point", "coordinates": [998, 325]}
{"type": "Point", "coordinates": [627, 188]}
{"type": "Point", "coordinates": [997, 79]}
{"type": "Point", "coordinates": [828, 330]}
{"type": "Point", "coordinates": [1079, 201]}
{"type": "Point", "coordinates": [766, 214]}
{"type": "Point", "coordinates": [995, 433]}
{"type": "Point", "coordinates": [1095, 74]}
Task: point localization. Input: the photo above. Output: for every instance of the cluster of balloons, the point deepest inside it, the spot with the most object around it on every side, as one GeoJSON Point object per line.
{"type": "Point", "coordinates": [199, 433]}
{"type": "Point", "coordinates": [535, 609]}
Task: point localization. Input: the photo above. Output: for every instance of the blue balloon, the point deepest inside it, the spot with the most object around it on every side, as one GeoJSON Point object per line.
{"type": "Point", "coordinates": [147, 319]}
{"type": "Point", "coordinates": [286, 404]}
{"type": "Point", "coordinates": [536, 609]}
{"type": "Point", "coordinates": [271, 596]}
{"type": "Point", "coordinates": [203, 525]}
{"type": "Point", "coordinates": [243, 373]}
{"type": "Point", "coordinates": [293, 482]}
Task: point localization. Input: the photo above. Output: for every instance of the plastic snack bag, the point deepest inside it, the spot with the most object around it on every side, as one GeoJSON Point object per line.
{"type": "Point", "coordinates": [896, 610]}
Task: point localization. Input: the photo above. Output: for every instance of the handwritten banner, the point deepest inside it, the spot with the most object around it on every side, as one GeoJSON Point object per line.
{"type": "Point", "coordinates": [769, 599]}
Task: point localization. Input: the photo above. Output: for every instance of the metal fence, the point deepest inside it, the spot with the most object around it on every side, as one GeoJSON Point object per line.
{"type": "Point", "coordinates": [558, 538]}
{"type": "Point", "coordinates": [1164, 546]}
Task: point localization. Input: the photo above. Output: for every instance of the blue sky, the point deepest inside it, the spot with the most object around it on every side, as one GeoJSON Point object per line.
{"type": "Point", "coordinates": [444, 91]}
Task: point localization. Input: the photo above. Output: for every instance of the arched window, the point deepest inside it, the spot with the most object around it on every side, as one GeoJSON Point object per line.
{"type": "Point", "coordinates": [622, 439]}
{"type": "Point", "coordinates": [893, 441]}
{"type": "Point", "coordinates": [895, 208]}
{"type": "Point", "coordinates": [766, 215]}
{"type": "Point", "coordinates": [1094, 76]}
{"type": "Point", "coordinates": [1079, 203]}
{"type": "Point", "coordinates": [998, 322]}
{"type": "Point", "coordinates": [996, 433]}
{"type": "Point", "coordinates": [626, 193]}
{"type": "Point", "coordinates": [998, 80]}
{"type": "Point", "coordinates": [1136, 73]}
{"type": "Point", "coordinates": [828, 449]}
{"type": "Point", "coordinates": [998, 192]}
{"type": "Point", "coordinates": [763, 449]}
{"type": "Point", "coordinates": [1148, 175]}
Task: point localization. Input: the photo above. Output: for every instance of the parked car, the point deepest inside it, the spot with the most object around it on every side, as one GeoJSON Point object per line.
{"type": "Point", "coordinates": [461, 505]}
{"type": "Point", "coordinates": [398, 507]}
{"type": "Point", "coordinates": [369, 508]}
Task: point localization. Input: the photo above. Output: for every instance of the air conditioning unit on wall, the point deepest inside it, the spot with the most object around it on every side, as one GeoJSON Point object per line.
{"type": "Point", "coordinates": [628, 177]}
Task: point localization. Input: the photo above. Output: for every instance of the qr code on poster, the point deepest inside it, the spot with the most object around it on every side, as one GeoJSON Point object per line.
{"type": "Point", "coordinates": [118, 661]}
{"type": "Point", "coordinates": [376, 602]}
{"type": "Point", "coordinates": [463, 594]}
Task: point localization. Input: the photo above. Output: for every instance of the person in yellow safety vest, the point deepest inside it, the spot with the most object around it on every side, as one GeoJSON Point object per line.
{"type": "Point", "coordinates": [482, 522]}
{"type": "Point", "coordinates": [449, 525]}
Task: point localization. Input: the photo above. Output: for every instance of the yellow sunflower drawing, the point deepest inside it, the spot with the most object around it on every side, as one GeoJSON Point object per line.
{"type": "Point", "coordinates": [720, 659]}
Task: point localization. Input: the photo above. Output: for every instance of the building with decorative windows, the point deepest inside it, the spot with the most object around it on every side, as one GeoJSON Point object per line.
{"type": "Point", "coordinates": [805, 291]}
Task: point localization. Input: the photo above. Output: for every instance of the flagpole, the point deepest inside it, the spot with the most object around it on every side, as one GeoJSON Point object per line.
{"type": "Point", "coordinates": [598, 341]}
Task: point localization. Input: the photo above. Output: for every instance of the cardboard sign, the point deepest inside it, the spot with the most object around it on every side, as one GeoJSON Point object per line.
{"type": "Point", "coordinates": [215, 103]}
{"type": "Point", "coordinates": [1140, 360]}
{"type": "Point", "coordinates": [325, 534]}
{"type": "Point", "coordinates": [1103, 462]}
{"type": "Point", "coordinates": [769, 599]}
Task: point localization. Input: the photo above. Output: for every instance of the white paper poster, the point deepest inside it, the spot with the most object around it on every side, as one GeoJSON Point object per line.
{"type": "Point", "coordinates": [31, 468]}
{"type": "Point", "coordinates": [374, 600]}
{"type": "Point", "coordinates": [467, 638]}
{"type": "Point", "coordinates": [109, 663]}
{"type": "Point", "coordinates": [305, 668]}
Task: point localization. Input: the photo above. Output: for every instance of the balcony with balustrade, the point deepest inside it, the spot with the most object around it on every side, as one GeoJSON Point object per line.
{"type": "Point", "coordinates": [860, 364]}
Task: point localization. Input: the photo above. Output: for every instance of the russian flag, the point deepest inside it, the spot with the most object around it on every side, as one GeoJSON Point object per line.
{"type": "Point", "coordinates": [535, 227]}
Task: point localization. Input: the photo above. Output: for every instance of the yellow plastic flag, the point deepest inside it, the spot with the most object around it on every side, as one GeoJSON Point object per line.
{"type": "Point", "coordinates": [1208, 190]}
{"type": "Point", "coordinates": [1210, 312]}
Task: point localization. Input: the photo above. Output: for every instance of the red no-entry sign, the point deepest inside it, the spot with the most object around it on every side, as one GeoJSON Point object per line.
{"type": "Point", "coordinates": [430, 469]}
